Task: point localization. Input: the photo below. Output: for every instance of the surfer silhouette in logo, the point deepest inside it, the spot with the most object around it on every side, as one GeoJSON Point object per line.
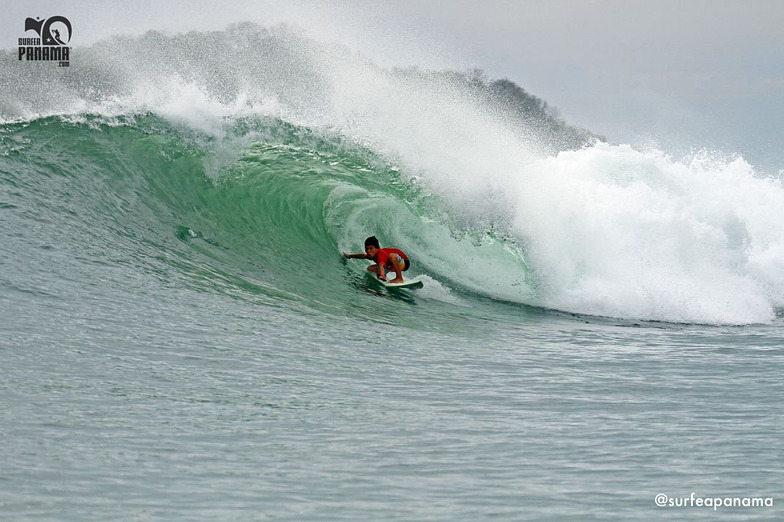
{"type": "Point", "coordinates": [386, 259]}
{"type": "Point", "coordinates": [57, 38]}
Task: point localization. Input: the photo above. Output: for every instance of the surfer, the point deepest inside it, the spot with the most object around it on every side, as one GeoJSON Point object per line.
{"type": "Point", "coordinates": [386, 259]}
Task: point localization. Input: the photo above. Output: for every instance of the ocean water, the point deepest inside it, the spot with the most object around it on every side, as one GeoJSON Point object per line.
{"type": "Point", "coordinates": [180, 338]}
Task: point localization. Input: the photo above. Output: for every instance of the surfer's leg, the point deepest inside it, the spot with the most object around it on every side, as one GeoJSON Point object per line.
{"type": "Point", "coordinates": [398, 266]}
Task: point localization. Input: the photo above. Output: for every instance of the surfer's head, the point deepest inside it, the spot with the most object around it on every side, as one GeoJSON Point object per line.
{"type": "Point", "coordinates": [371, 246]}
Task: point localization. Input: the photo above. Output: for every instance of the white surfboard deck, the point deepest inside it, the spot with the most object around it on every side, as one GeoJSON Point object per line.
{"type": "Point", "coordinates": [412, 282]}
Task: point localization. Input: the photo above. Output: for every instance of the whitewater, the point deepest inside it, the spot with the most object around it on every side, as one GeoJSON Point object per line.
{"type": "Point", "coordinates": [182, 338]}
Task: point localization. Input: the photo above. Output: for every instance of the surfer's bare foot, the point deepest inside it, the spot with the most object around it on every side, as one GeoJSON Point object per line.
{"type": "Point", "coordinates": [397, 280]}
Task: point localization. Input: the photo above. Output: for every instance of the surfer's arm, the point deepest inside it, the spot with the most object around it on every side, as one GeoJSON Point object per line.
{"type": "Point", "coordinates": [355, 256]}
{"type": "Point", "coordinates": [381, 271]}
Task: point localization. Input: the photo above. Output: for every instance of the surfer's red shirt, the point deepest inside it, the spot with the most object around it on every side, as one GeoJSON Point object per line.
{"type": "Point", "coordinates": [383, 255]}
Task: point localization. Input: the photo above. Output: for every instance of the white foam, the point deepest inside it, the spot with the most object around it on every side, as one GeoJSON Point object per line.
{"type": "Point", "coordinates": [614, 231]}
{"type": "Point", "coordinates": [433, 289]}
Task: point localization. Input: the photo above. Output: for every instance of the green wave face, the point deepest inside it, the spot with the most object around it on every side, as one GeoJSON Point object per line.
{"type": "Point", "coordinates": [259, 209]}
{"type": "Point", "coordinates": [260, 213]}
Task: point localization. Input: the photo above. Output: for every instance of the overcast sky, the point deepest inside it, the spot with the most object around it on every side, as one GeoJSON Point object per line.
{"type": "Point", "coordinates": [680, 73]}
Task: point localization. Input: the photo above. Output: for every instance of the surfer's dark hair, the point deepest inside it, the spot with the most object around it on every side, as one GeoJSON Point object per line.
{"type": "Point", "coordinates": [372, 241]}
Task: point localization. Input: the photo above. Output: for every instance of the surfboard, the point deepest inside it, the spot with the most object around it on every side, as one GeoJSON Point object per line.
{"type": "Point", "coordinates": [408, 283]}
